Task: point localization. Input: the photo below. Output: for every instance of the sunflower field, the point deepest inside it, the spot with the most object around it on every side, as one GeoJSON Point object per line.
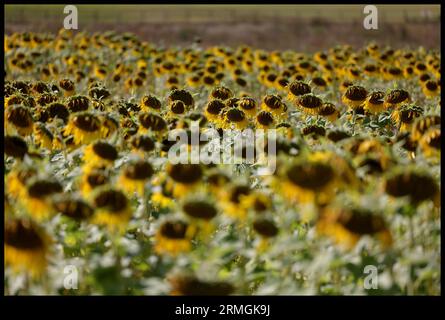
{"type": "Point", "coordinates": [94, 206]}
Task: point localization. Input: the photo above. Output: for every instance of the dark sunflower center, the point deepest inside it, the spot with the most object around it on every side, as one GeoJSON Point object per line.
{"type": "Point", "coordinates": [105, 151]}
{"type": "Point", "coordinates": [151, 102]}
{"type": "Point", "coordinates": [299, 88]}
{"type": "Point", "coordinates": [356, 93]}
{"type": "Point", "coordinates": [239, 191]}
{"type": "Point", "coordinates": [112, 200]}
{"type": "Point", "coordinates": [418, 187]}
{"type": "Point", "coordinates": [22, 235]}
{"type": "Point", "coordinates": [79, 103]}
{"type": "Point", "coordinates": [310, 176]}
{"type": "Point", "coordinates": [96, 179]}
{"type": "Point", "coordinates": [337, 135]}
{"type": "Point", "coordinates": [58, 110]}
{"type": "Point", "coordinates": [376, 98]}
{"type": "Point", "coordinates": [15, 146]}
{"type": "Point", "coordinates": [174, 229]}
{"type": "Point", "coordinates": [431, 85]}
{"type": "Point", "coordinates": [272, 102]}
{"type": "Point", "coordinates": [152, 121]}
{"type": "Point", "coordinates": [309, 101]}
{"type": "Point", "coordinates": [143, 142]}
{"type": "Point", "coordinates": [362, 223]}
{"type": "Point", "coordinates": [434, 141]}
{"type": "Point", "coordinates": [42, 188]}
{"type": "Point", "coordinates": [177, 107]}
{"type": "Point", "coordinates": [265, 227]}
{"type": "Point", "coordinates": [76, 209]}
{"type": "Point", "coordinates": [182, 95]}
{"type": "Point", "coordinates": [265, 118]}
{"type": "Point", "coordinates": [221, 93]}
{"type": "Point", "coordinates": [200, 209]}
{"type": "Point", "coordinates": [185, 173]}
{"type": "Point", "coordinates": [139, 171]}
{"type": "Point", "coordinates": [20, 117]}
{"type": "Point", "coordinates": [215, 107]}
{"type": "Point", "coordinates": [327, 110]}
{"type": "Point", "coordinates": [86, 122]}
{"type": "Point", "coordinates": [235, 115]}
{"type": "Point", "coordinates": [397, 96]}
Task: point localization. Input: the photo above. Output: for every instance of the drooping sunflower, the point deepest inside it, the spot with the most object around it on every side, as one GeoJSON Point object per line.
{"type": "Point", "coordinates": [99, 154]}
{"type": "Point", "coordinates": [152, 122]}
{"type": "Point", "coordinates": [92, 179]}
{"type": "Point", "coordinates": [213, 110]}
{"type": "Point", "coordinates": [85, 128]}
{"type": "Point", "coordinates": [396, 98]}
{"type": "Point", "coordinates": [26, 247]}
{"type": "Point", "coordinates": [329, 111]}
{"type": "Point", "coordinates": [430, 142]}
{"type": "Point", "coordinates": [422, 125]}
{"type": "Point", "coordinates": [19, 119]}
{"type": "Point", "coordinates": [183, 95]}
{"type": "Point", "coordinates": [234, 201]}
{"type": "Point", "coordinates": [184, 177]}
{"type": "Point", "coordinates": [405, 116]}
{"type": "Point", "coordinates": [375, 102]}
{"type": "Point", "coordinates": [273, 104]}
{"type": "Point", "coordinates": [431, 89]}
{"type": "Point", "coordinates": [235, 118]}
{"type": "Point", "coordinates": [297, 88]}
{"type": "Point", "coordinates": [264, 120]}
{"type": "Point", "coordinates": [354, 96]}
{"type": "Point", "coordinates": [15, 146]}
{"type": "Point", "coordinates": [43, 136]}
{"type": "Point", "coordinates": [72, 207]}
{"type": "Point", "coordinates": [16, 181]}
{"type": "Point", "coordinates": [309, 103]}
{"type": "Point", "coordinates": [248, 105]}
{"type": "Point", "coordinates": [189, 285]}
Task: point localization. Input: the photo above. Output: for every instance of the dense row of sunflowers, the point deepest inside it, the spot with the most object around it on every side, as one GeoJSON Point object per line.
{"type": "Point", "coordinates": [88, 183]}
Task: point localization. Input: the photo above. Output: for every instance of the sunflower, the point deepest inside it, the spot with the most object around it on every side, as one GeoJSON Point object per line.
{"type": "Point", "coordinates": [92, 179]}
{"type": "Point", "coordinates": [182, 95]}
{"type": "Point", "coordinates": [431, 89]}
{"type": "Point", "coordinates": [42, 135]}
{"type": "Point", "coordinates": [221, 93]}
{"type": "Point", "coordinates": [67, 86]}
{"type": "Point", "coordinates": [15, 146]}
{"type": "Point", "coordinates": [73, 208]}
{"type": "Point", "coordinates": [214, 109]}
{"type": "Point", "coordinates": [430, 142]}
{"type": "Point", "coordinates": [347, 225]}
{"type": "Point", "coordinates": [18, 118]}
{"type": "Point", "coordinates": [99, 154]}
{"type": "Point", "coordinates": [297, 88]}
{"type": "Point", "coordinates": [309, 103]}
{"type": "Point", "coordinates": [337, 135]}
{"type": "Point", "coordinates": [354, 96]}
{"type": "Point", "coordinates": [112, 208]}
{"type": "Point", "coordinates": [152, 122]}
{"type": "Point", "coordinates": [329, 111]}
{"type": "Point", "coordinates": [134, 176]}
{"type": "Point", "coordinates": [184, 177]}
{"type": "Point", "coordinates": [216, 180]}
{"type": "Point", "coordinates": [396, 98]}
{"type": "Point", "coordinates": [37, 199]}
{"type": "Point", "coordinates": [16, 181]}
{"type": "Point", "coordinates": [417, 186]}
{"type": "Point", "coordinates": [405, 116]}
{"type": "Point", "coordinates": [142, 143]}
{"type": "Point", "coordinates": [422, 125]}
{"type": "Point", "coordinates": [234, 201]}
{"type": "Point", "coordinates": [85, 128]}
{"type": "Point", "coordinates": [173, 237]}
{"type": "Point", "coordinates": [375, 102]}
{"type": "Point", "coordinates": [26, 247]}
{"type": "Point", "coordinates": [273, 104]}
{"type": "Point", "coordinates": [264, 120]}
{"type": "Point", "coordinates": [236, 118]}
{"type": "Point", "coordinates": [248, 105]}
{"type": "Point", "coordinates": [309, 182]}
{"type": "Point", "coordinates": [188, 285]}
{"type": "Point", "coordinates": [78, 103]}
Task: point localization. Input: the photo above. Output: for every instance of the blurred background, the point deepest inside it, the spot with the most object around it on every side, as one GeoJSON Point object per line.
{"type": "Point", "coordinates": [270, 27]}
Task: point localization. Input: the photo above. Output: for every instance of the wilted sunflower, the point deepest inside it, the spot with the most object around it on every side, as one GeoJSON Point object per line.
{"type": "Point", "coordinates": [405, 116]}
{"type": "Point", "coordinates": [273, 104]}
{"type": "Point", "coordinates": [423, 124]}
{"type": "Point", "coordinates": [248, 105]}
{"type": "Point", "coordinates": [418, 187]}
{"type": "Point", "coordinates": [296, 89]}
{"type": "Point", "coordinates": [18, 118]}
{"type": "Point", "coordinates": [329, 111]}
{"type": "Point", "coordinates": [150, 103]}
{"type": "Point", "coordinates": [234, 201]}
{"type": "Point", "coordinates": [375, 102]}
{"type": "Point", "coordinates": [142, 143]}
{"type": "Point", "coordinates": [37, 199]}
{"type": "Point", "coordinates": [43, 136]}
{"type": "Point", "coordinates": [174, 237]}
{"type": "Point", "coordinates": [113, 209]}
{"type": "Point", "coordinates": [354, 96]}
{"type": "Point", "coordinates": [92, 179]}
{"type": "Point", "coordinates": [15, 146]}
{"type": "Point", "coordinates": [213, 110]}
{"type": "Point", "coordinates": [188, 285]}
{"type": "Point", "coordinates": [85, 128]}
{"type": "Point", "coordinates": [152, 122]}
{"type": "Point", "coordinates": [134, 176]}
{"type": "Point", "coordinates": [182, 95]}
{"type": "Point", "coordinates": [26, 247]}
{"type": "Point", "coordinates": [236, 118]}
{"type": "Point", "coordinates": [67, 86]}
{"type": "Point", "coordinates": [309, 103]}
{"type": "Point", "coordinates": [397, 97]}
{"type": "Point", "coordinates": [16, 181]}
{"type": "Point", "coordinates": [264, 120]}
{"type": "Point", "coordinates": [78, 103]}
{"type": "Point", "coordinates": [347, 225]}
